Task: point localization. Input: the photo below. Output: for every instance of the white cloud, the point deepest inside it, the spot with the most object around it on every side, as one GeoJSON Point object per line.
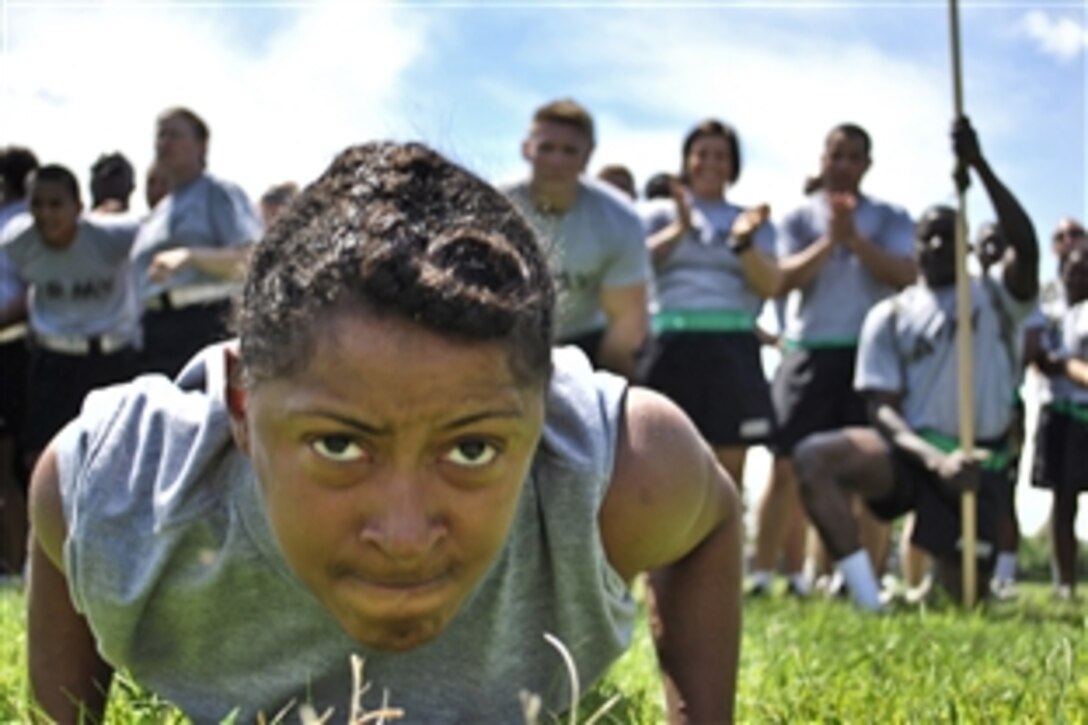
{"type": "Point", "coordinates": [1061, 37]}
{"type": "Point", "coordinates": [81, 81]}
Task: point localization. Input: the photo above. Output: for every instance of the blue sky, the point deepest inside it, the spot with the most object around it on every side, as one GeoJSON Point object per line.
{"type": "Point", "coordinates": [286, 85]}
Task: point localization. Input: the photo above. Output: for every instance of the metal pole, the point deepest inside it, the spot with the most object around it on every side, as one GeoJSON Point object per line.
{"type": "Point", "coordinates": [964, 338]}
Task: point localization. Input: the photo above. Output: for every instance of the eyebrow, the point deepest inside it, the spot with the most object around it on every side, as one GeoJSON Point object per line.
{"type": "Point", "coordinates": [512, 413]}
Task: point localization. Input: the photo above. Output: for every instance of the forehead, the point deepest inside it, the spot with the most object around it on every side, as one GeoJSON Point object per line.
{"type": "Point", "coordinates": [49, 189]}
{"type": "Point", "coordinates": [710, 142]}
{"type": "Point", "coordinates": [392, 373]}
{"type": "Point", "coordinates": [176, 125]}
{"type": "Point", "coordinates": [358, 343]}
{"type": "Point", "coordinates": [842, 142]}
{"type": "Point", "coordinates": [558, 132]}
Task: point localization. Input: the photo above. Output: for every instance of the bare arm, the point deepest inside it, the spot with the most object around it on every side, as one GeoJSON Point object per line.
{"type": "Point", "coordinates": [952, 469]}
{"type": "Point", "coordinates": [890, 269]}
{"type": "Point", "coordinates": [227, 263]}
{"type": "Point", "coordinates": [799, 269]}
{"type": "Point", "coordinates": [673, 511]}
{"type": "Point", "coordinates": [1022, 267]}
{"type": "Point", "coordinates": [628, 323]}
{"type": "Point", "coordinates": [68, 679]}
{"type": "Point", "coordinates": [664, 241]}
{"type": "Point", "coordinates": [1077, 371]}
{"type": "Point", "coordinates": [760, 271]}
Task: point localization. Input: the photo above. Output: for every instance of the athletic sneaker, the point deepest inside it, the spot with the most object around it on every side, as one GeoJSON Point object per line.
{"type": "Point", "coordinates": [1004, 590]}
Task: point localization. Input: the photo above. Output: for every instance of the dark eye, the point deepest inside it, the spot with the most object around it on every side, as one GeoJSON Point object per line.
{"type": "Point", "coordinates": [339, 448]}
{"type": "Point", "coordinates": [472, 453]}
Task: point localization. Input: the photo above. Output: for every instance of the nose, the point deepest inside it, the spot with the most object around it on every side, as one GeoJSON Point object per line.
{"type": "Point", "coordinates": [405, 525]}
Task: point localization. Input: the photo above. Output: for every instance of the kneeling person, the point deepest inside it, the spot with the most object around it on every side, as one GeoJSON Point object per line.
{"type": "Point", "coordinates": [910, 459]}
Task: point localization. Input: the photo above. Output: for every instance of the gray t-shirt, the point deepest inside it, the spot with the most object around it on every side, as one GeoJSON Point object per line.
{"type": "Point", "coordinates": [172, 560]}
{"type": "Point", "coordinates": [83, 290]}
{"type": "Point", "coordinates": [596, 244]}
{"type": "Point", "coordinates": [702, 272]}
{"type": "Point", "coordinates": [1075, 344]}
{"type": "Point", "coordinates": [206, 212]}
{"type": "Point", "coordinates": [908, 345]}
{"type": "Point", "coordinates": [831, 307]}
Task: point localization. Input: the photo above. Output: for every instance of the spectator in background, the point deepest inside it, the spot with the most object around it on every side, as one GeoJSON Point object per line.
{"type": "Point", "coordinates": [83, 318]}
{"type": "Point", "coordinates": [112, 183]}
{"type": "Point", "coordinates": [275, 200]}
{"type": "Point", "coordinates": [595, 240]}
{"type": "Point", "coordinates": [16, 164]}
{"type": "Point", "coordinates": [840, 253]}
{"type": "Point", "coordinates": [621, 178]}
{"type": "Point", "coordinates": [659, 186]}
{"type": "Point", "coordinates": [714, 265]}
{"type": "Point", "coordinates": [1056, 345]}
{"type": "Point", "coordinates": [190, 251]}
{"type": "Point", "coordinates": [156, 186]}
{"type": "Point", "coordinates": [910, 458]}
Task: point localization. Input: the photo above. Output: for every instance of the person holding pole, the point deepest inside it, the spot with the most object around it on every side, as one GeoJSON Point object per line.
{"type": "Point", "coordinates": [910, 458]}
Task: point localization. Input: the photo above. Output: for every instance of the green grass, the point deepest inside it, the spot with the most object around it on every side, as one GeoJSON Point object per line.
{"type": "Point", "coordinates": [814, 661]}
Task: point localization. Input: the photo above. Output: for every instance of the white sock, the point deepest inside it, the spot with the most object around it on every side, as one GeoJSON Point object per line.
{"type": "Point", "coordinates": [858, 572]}
{"type": "Point", "coordinates": [800, 582]}
{"type": "Point", "coordinates": [762, 578]}
{"type": "Point", "coordinates": [1005, 568]}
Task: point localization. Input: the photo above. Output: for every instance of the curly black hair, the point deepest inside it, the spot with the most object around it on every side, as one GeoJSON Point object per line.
{"type": "Point", "coordinates": [398, 230]}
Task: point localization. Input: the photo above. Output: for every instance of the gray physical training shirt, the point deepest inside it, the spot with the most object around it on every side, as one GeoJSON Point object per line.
{"type": "Point", "coordinates": [206, 212]}
{"type": "Point", "coordinates": [172, 560]}
{"type": "Point", "coordinates": [702, 272]}
{"type": "Point", "coordinates": [596, 244]}
{"type": "Point", "coordinates": [83, 290]}
{"type": "Point", "coordinates": [908, 345]}
{"type": "Point", "coordinates": [831, 307]}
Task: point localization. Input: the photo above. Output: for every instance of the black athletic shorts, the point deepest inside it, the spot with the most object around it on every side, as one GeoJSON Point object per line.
{"type": "Point", "coordinates": [937, 526]}
{"type": "Point", "coordinates": [12, 388]}
{"type": "Point", "coordinates": [1061, 450]}
{"type": "Point", "coordinates": [813, 391]}
{"type": "Point", "coordinates": [57, 384]}
{"type": "Point", "coordinates": [717, 379]}
{"type": "Point", "coordinates": [173, 337]}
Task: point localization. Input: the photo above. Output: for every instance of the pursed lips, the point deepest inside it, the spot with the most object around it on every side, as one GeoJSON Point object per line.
{"type": "Point", "coordinates": [400, 582]}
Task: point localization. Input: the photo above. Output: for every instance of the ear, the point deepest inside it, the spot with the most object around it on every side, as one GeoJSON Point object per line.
{"type": "Point", "coordinates": [236, 398]}
{"type": "Point", "coordinates": [526, 152]}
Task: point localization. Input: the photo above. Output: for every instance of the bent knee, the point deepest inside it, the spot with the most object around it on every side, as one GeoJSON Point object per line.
{"type": "Point", "coordinates": [813, 457]}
